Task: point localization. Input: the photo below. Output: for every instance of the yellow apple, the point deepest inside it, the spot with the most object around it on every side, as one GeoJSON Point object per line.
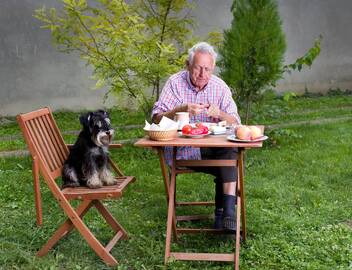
{"type": "Point", "coordinates": [243, 133]}
{"type": "Point", "coordinates": [255, 132]}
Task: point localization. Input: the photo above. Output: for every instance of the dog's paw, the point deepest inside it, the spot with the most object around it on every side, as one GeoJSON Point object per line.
{"type": "Point", "coordinates": [70, 184]}
{"type": "Point", "coordinates": [110, 182]}
{"type": "Point", "coordinates": [108, 178]}
{"type": "Point", "coordinates": [94, 183]}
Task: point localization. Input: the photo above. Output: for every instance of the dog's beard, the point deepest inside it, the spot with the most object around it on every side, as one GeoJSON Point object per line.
{"type": "Point", "coordinates": [103, 139]}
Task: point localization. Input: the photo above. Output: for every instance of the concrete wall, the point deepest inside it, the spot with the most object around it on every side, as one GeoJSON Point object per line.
{"type": "Point", "coordinates": [34, 74]}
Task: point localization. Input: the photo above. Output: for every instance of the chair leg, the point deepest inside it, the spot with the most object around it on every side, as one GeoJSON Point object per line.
{"type": "Point", "coordinates": [93, 242]}
{"type": "Point", "coordinates": [37, 194]}
{"type": "Point", "coordinates": [115, 167]}
{"type": "Point", "coordinates": [78, 223]}
{"type": "Point", "coordinates": [64, 229]}
{"type": "Point", "coordinates": [109, 218]}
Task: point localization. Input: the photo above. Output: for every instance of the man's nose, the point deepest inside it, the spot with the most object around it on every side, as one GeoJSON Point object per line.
{"type": "Point", "coordinates": [201, 72]}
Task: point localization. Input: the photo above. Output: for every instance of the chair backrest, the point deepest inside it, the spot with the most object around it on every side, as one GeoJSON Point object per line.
{"type": "Point", "coordinates": [44, 140]}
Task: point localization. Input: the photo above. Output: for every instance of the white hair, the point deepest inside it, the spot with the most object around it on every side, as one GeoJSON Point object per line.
{"type": "Point", "coordinates": [202, 47]}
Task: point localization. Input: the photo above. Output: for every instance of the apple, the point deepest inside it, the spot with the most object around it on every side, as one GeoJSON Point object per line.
{"type": "Point", "coordinates": [255, 132]}
{"type": "Point", "coordinates": [243, 133]}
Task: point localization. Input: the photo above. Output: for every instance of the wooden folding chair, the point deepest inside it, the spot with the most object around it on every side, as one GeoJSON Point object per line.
{"type": "Point", "coordinates": [49, 152]}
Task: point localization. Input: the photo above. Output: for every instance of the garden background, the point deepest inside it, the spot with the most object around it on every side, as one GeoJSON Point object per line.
{"type": "Point", "coordinates": [298, 186]}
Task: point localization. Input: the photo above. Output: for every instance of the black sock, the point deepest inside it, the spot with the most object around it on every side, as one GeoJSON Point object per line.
{"type": "Point", "coordinates": [229, 203]}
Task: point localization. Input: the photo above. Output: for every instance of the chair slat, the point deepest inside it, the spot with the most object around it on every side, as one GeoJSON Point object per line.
{"type": "Point", "coordinates": [58, 143]}
{"type": "Point", "coordinates": [60, 154]}
{"type": "Point", "coordinates": [34, 134]}
{"type": "Point", "coordinates": [57, 136]}
{"type": "Point", "coordinates": [50, 146]}
{"type": "Point", "coordinates": [44, 145]}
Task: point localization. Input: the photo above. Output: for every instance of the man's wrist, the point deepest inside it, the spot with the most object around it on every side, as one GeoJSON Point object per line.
{"type": "Point", "coordinates": [182, 108]}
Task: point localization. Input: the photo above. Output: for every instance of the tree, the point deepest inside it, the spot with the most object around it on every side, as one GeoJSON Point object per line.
{"type": "Point", "coordinates": [252, 52]}
{"type": "Point", "coordinates": [131, 47]}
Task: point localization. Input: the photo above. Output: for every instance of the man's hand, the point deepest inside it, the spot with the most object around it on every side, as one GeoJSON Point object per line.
{"type": "Point", "coordinates": [195, 109]}
{"type": "Point", "coordinates": [214, 111]}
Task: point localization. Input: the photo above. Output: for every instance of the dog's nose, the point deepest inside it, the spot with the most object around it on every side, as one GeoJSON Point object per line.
{"type": "Point", "coordinates": [107, 132]}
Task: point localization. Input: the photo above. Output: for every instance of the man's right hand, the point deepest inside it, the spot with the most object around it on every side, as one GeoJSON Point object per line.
{"type": "Point", "coordinates": [195, 109]}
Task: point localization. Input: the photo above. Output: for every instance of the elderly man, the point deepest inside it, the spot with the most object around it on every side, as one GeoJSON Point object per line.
{"type": "Point", "coordinates": [207, 99]}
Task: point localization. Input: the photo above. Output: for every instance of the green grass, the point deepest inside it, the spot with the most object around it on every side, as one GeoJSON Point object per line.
{"type": "Point", "coordinates": [298, 201]}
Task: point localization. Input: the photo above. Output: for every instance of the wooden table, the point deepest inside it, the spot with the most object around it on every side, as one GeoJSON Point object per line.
{"type": "Point", "coordinates": [170, 188]}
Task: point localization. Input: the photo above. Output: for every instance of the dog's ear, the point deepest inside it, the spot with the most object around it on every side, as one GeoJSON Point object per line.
{"type": "Point", "coordinates": [84, 119]}
{"type": "Point", "coordinates": [104, 113]}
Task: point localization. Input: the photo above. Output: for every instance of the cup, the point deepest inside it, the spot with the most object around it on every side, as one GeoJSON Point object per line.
{"type": "Point", "coordinates": [182, 119]}
{"type": "Point", "coordinates": [233, 128]}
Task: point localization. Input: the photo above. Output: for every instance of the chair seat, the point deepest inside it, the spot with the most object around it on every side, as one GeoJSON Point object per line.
{"type": "Point", "coordinates": [105, 192]}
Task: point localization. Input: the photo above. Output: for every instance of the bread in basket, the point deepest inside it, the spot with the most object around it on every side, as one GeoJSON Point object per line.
{"type": "Point", "coordinates": [162, 135]}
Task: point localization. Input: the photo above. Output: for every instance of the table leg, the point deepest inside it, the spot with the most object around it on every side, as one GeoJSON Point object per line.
{"type": "Point", "coordinates": [238, 232]}
{"type": "Point", "coordinates": [170, 216]}
{"type": "Point", "coordinates": [164, 172]}
{"type": "Point", "coordinates": [166, 179]}
{"type": "Point", "coordinates": [241, 191]}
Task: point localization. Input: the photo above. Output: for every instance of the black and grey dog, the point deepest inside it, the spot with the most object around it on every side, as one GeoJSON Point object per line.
{"type": "Point", "coordinates": [87, 163]}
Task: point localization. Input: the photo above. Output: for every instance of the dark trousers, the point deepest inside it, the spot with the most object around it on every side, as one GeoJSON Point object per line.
{"type": "Point", "coordinates": [222, 174]}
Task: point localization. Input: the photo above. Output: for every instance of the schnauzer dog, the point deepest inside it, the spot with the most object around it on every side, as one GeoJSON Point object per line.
{"type": "Point", "coordinates": [87, 163]}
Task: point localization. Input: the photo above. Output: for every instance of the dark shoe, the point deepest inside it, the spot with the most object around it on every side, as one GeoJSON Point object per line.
{"type": "Point", "coordinates": [229, 224]}
{"type": "Point", "coordinates": [229, 220]}
{"type": "Point", "coordinates": [218, 219]}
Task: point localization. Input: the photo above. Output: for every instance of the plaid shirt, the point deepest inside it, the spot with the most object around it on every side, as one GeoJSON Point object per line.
{"type": "Point", "coordinates": [179, 90]}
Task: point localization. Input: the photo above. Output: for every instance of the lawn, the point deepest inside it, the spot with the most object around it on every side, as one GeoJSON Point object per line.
{"type": "Point", "coordinates": [298, 194]}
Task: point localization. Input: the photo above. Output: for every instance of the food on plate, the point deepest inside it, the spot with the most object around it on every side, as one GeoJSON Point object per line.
{"type": "Point", "coordinates": [217, 129]}
{"type": "Point", "coordinates": [199, 129]}
{"type": "Point", "coordinates": [186, 129]}
{"type": "Point", "coordinates": [243, 133]}
{"type": "Point", "coordinates": [248, 132]}
{"type": "Point", "coordinates": [222, 123]}
{"type": "Point", "coordinates": [255, 132]}
{"type": "Point", "coordinates": [196, 131]}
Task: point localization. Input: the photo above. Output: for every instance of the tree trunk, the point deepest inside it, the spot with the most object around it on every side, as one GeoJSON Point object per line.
{"type": "Point", "coordinates": [248, 107]}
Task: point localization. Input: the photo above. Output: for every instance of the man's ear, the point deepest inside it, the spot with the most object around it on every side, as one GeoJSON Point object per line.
{"type": "Point", "coordinates": [84, 119]}
{"type": "Point", "coordinates": [187, 64]}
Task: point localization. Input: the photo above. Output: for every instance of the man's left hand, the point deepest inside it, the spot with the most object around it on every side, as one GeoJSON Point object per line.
{"type": "Point", "coordinates": [213, 111]}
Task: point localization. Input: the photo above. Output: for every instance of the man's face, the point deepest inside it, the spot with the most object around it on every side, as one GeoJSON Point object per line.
{"type": "Point", "coordinates": [201, 69]}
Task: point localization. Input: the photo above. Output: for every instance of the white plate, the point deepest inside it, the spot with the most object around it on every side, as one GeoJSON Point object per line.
{"type": "Point", "coordinates": [193, 136]}
{"type": "Point", "coordinates": [218, 133]}
{"type": "Point", "coordinates": [234, 139]}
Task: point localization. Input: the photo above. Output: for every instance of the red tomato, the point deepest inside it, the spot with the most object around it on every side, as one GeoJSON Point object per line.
{"type": "Point", "coordinates": [205, 130]}
{"type": "Point", "coordinates": [196, 131]}
{"type": "Point", "coordinates": [186, 129]}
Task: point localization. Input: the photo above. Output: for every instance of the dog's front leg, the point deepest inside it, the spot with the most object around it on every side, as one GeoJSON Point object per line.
{"type": "Point", "coordinates": [93, 180]}
{"type": "Point", "coordinates": [69, 177]}
{"type": "Point", "coordinates": [107, 177]}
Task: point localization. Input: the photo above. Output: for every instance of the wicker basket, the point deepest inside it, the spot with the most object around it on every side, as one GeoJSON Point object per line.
{"type": "Point", "coordinates": [161, 135]}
